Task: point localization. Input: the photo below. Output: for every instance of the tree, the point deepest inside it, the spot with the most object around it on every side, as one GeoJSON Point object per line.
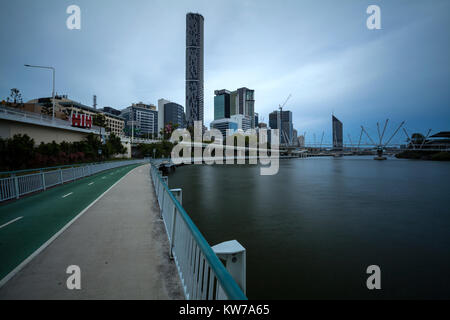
{"type": "Point", "coordinates": [15, 96]}
{"type": "Point", "coordinates": [166, 132]}
{"type": "Point", "coordinates": [47, 108]}
{"type": "Point", "coordinates": [17, 152]}
{"type": "Point", "coordinates": [116, 144]}
{"type": "Point", "coordinates": [67, 112]}
{"type": "Point", "coordinates": [99, 120]}
{"type": "Point", "coordinates": [20, 152]}
{"type": "Point", "coordinates": [160, 150]}
{"type": "Point", "coordinates": [93, 145]}
{"type": "Point", "coordinates": [417, 138]}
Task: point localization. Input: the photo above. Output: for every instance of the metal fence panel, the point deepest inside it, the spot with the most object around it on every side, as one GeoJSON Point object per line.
{"type": "Point", "coordinates": [7, 189]}
{"type": "Point", "coordinates": [16, 186]}
{"type": "Point", "coordinates": [67, 175]}
{"type": "Point", "coordinates": [201, 272]}
{"type": "Point", "coordinates": [52, 178]}
{"type": "Point", "coordinates": [30, 183]}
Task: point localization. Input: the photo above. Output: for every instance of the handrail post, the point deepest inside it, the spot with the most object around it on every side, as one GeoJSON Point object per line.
{"type": "Point", "coordinates": [60, 175]}
{"type": "Point", "coordinates": [43, 180]}
{"type": "Point", "coordinates": [166, 181]}
{"type": "Point", "coordinates": [16, 185]}
{"type": "Point", "coordinates": [178, 193]}
{"type": "Point", "coordinates": [235, 262]}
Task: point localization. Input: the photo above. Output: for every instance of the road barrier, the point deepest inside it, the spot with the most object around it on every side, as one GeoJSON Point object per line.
{"type": "Point", "coordinates": [203, 275]}
{"type": "Point", "coordinates": [20, 183]}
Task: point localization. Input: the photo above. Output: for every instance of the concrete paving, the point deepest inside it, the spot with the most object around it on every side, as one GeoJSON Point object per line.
{"type": "Point", "coordinates": [120, 245]}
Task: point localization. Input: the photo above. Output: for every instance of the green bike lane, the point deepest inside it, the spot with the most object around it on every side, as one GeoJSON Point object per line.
{"type": "Point", "coordinates": [26, 224]}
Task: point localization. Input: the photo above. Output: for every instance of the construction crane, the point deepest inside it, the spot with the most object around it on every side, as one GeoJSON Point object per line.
{"type": "Point", "coordinates": [282, 105]}
{"type": "Point", "coordinates": [321, 140]}
{"type": "Point", "coordinates": [283, 132]}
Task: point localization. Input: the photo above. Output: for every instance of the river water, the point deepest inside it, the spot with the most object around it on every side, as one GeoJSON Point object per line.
{"type": "Point", "coordinates": [312, 230]}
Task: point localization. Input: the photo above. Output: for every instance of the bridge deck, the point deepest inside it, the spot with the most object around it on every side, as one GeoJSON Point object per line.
{"type": "Point", "coordinates": [120, 245]}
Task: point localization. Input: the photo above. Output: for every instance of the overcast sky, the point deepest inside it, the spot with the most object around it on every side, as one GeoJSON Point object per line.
{"type": "Point", "coordinates": [319, 51]}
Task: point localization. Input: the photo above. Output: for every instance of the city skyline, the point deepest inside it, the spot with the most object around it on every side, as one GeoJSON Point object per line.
{"type": "Point", "coordinates": [327, 59]}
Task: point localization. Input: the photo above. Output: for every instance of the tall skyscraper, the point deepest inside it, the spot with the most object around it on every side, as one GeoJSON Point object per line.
{"type": "Point", "coordinates": [337, 133]}
{"type": "Point", "coordinates": [161, 103]}
{"type": "Point", "coordinates": [221, 104]}
{"type": "Point", "coordinates": [282, 121]}
{"type": "Point", "coordinates": [170, 112]}
{"type": "Point", "coordinates": [239, 102]}
{"type": "Point", "coordinates": [194, 68]}
{"type": "Point", "coordinates": [245, 103]}
{"type": "Point", "coordinates": [174, 114]}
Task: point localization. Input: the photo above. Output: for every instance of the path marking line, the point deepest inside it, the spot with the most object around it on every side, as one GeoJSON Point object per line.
{"type": "Point", "coordinates": [66, 195]}
{"type": "Point", "coordinates": [12, 221]}
{"type": "Point", "coordinates": [56, 235]}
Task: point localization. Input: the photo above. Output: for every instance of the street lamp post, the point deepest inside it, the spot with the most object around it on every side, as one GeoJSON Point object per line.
{"type": "Point", "coordinates": [53, 89]}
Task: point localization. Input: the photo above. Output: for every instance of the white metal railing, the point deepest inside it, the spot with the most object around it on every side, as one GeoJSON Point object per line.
{"type": "Point", "coordinates": [18, 184]}
{"type": "Point", "coordinates": [203, 275]}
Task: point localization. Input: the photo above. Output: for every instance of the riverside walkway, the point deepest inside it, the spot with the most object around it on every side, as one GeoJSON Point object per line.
{"type": "Point", "coordinates": [108, 224]}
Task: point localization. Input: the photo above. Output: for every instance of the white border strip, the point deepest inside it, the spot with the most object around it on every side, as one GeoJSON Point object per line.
{"type": "Point", "coordinates": [56, 235]}
{"type": "Point", "coordinates": [12, 221]}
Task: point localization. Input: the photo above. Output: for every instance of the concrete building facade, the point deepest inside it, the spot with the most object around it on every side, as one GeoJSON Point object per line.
{"type": "Point", "coordinates": [282, 120]}
{"type": "Point", "coordinates": [64, 107]}
{"type": "Point", "coordinates": [141, 120]}
{"type": "Point", "coordinates": [194, 68]}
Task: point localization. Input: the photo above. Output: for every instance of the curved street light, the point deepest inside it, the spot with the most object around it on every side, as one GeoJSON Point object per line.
{"type": "Point", "coordinates": [53, 90]}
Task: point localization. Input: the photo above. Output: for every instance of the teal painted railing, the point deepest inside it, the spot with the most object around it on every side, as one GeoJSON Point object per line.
{"type": "Point", "coordinates": [203, 275]}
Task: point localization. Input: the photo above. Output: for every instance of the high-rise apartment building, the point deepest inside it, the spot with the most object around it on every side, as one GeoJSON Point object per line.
{"type": "Point", "coordinates": [174, 114]}
{"type": "Point", "coordinates": [221, 104]}
{"type": "Point", "coordinates": [170, 112]}
{"type": "Point", "coordinates": [282, 120]}
{"type": "Point", "coordinates": [161, 103]}
{"type": "Point", "coordinates": [338, 141]}
{"type": "Point", "coordinates": [194, 68]}
{"type": "Point", "coordinates": [141, 119]}
{"type": "Point", "coordinates": [239, 102]}
{"type": "Point", "coordinates": [245, 103]}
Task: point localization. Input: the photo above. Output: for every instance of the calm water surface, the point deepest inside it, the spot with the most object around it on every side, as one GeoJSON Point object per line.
{"type": "Point", "coordinates": [312, 230]}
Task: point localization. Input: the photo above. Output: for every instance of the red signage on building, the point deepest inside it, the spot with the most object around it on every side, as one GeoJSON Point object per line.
{"type": "Point", "coordinates": [81, 120]}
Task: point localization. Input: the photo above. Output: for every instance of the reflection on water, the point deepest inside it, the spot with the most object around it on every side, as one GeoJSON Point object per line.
{"type": "Point", "coordinates": [312, 230]}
